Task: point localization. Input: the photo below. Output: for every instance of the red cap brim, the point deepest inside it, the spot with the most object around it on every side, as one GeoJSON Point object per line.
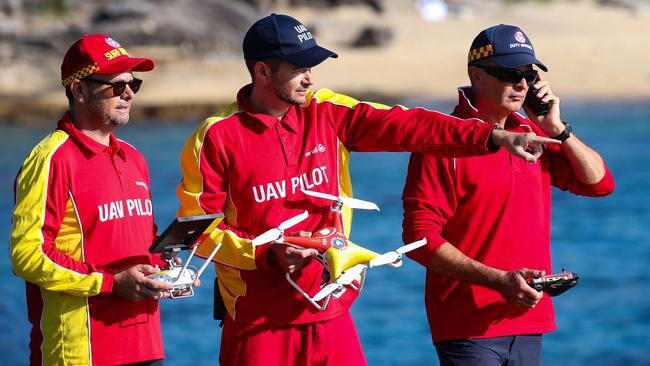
{"type": "Point", "coordinates": [127, 65]}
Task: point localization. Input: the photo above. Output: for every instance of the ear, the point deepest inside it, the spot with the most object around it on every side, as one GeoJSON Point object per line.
{"type": "Point", "coordinates": [76, 88]}
{"type": "Point", "coordinates": [262, 71]}
{"type": "Point", "coordinates": [474, 73]}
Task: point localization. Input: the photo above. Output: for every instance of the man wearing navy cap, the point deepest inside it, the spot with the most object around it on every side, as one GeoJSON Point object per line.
{"type": "Point", "coordinates": [83, 222]}
{"type": "Point", "coordinates": [487, 219]}
{"type": "Point", "coordinates": [251, 163]}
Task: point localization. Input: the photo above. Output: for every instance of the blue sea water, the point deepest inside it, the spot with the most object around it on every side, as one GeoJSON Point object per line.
{"type": "Point", "coordinates": [605, 320]}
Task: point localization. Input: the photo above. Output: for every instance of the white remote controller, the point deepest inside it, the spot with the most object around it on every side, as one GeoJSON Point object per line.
{"type": "Point", "coordinates": [182, 278]}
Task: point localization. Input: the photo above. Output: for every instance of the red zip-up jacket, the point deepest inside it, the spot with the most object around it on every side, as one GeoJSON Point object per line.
{"type": "Point", "coordinates": [495, 209]}
{"type": "Point", "coordinates": [251, 167]}
{"type": "Point", "coordinates": [83, 210]}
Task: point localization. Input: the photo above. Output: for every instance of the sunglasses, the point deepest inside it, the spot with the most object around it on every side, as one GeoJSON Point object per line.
{"type": "Point", "coordinates": [118, 86]}
{"type": "Point", "coordinates": [513, 76]}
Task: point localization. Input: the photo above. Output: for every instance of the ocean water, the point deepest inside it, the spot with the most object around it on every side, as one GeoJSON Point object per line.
{"type": "Point", "coordinates": [605, 320]}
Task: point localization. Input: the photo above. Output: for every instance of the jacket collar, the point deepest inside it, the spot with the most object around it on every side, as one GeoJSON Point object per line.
{"type": "Point", "coordinates": [290, 119]}
{"type": "Point", "coordinates": [87, 145]}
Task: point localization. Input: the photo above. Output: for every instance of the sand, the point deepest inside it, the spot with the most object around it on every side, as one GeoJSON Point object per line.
{"type": "Point", "coordinates": [593, 52]}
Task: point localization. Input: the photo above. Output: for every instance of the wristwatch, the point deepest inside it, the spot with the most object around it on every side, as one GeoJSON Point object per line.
{"type": "Point", "coordinates": [566, 133]}
{"type": "Point", "coordinates": [491, 145]}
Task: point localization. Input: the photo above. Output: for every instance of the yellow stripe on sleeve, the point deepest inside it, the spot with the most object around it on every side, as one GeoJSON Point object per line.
{"type": "Point", "coordinates": [235, 251]}
{"type": "Point", "coordinates": [231, 286]}
{"type": "Point", "coordinates": [345, 186]}
{"type": "Point", "coordinates": [191, 186]}
{"type": "Point", "coordinates": [27, 257]}
{"type": "Point", "coordinates": [326, 95]}
{"type": "Point", "coordinates": [344, 180]}
{"type": "Point", "coordinates": [66, 329]}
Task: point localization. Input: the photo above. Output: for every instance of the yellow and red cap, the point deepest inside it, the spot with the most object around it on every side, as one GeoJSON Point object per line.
{"type": "Point", "coordinates": [99, 54]}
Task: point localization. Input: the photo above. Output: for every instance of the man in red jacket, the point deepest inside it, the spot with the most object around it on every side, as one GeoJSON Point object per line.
{"type": "Point", "coordinates": [487, 218]}
{"type": "Point", "coordinates": [251, 163]}
{"type": "Point", "coordinates": [83, 222]}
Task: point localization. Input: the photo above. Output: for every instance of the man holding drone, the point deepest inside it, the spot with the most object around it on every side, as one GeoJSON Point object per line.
{"type": "Point", "coordinates": [252, 162]}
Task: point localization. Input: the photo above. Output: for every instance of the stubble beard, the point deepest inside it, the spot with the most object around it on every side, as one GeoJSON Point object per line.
{"type": "Point", "coordinates": [105, 116]}
{"type": "Point", "coordinates": [286, 94]}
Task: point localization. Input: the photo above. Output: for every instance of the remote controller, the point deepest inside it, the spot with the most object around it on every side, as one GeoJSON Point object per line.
{"type": "Point", "coordinates": [554, 284]}
{"type": "Point", "coordinates": [181, 280]}
{"type": "Point", "coordinates": [184, 233]}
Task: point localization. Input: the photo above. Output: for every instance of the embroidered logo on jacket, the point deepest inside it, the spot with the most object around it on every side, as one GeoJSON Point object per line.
{"type": "Point", "coordinates": [142, 184]}
{"type": "Point", "coordinates": [320, 148]}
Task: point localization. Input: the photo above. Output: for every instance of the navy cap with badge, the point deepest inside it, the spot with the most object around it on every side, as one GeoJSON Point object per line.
{"type": "Point", "coordinates": [506, 45]}
{"type": "Point", "coordinates": [284, 37]}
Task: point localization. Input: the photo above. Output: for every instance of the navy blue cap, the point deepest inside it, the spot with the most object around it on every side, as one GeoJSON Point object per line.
{"type": "Point", "coordinates": [286, 38]}
{"type": "Point", "coordinates": [506, 45]}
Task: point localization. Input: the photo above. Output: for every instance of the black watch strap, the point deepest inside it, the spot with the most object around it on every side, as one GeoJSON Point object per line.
{"type": "Point", "coordinates": [491, 145]}
{"type": "Point", "coordinates": [565, 134]}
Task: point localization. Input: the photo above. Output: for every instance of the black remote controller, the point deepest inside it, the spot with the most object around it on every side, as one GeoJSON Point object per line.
{"type": "Point", "coordinates": [554, 284]}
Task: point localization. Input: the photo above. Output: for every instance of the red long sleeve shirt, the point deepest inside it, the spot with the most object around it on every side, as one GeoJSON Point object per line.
{"type": "Point", "coordinates": [495, 209]}
{"type": "Point", "coordinates": [252, 167]}
{"type": "Point", "coordinates": [83, 211]}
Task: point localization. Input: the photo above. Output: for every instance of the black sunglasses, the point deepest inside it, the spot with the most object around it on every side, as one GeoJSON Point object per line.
{"type": "Point", "coordinates": [510, 75]}
{"type": "Point", "coordinates": [118, 86]}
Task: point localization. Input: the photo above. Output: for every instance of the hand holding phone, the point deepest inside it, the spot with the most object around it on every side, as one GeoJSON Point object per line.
{"type": "Point", "coordinates": [535, 104]}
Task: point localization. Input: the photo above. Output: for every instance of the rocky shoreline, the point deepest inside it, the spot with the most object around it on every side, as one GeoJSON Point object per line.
{"type": "Point", "coordinates": [389, 54]}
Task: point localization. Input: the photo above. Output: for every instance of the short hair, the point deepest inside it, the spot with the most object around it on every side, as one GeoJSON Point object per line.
{"type": "Point", "coordinates": [274, 63]}
{"type": "Point", "coordinates": [479, 63]}
{"type": "Point", "coordinates": [483, 62]}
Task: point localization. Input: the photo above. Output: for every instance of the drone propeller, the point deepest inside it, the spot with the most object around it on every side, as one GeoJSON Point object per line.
{"type": "Point", "coordinates": [345, 279]}
{"type": "Point", "coordinates": [395, 255]}
{"type": "Point", "coordinates": [348, 201]}
{"type": "Point", "coordinates": [277, 232]}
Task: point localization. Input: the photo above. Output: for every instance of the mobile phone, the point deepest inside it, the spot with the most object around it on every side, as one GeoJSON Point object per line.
{"type": "Point", "coordinates": [535, 104]}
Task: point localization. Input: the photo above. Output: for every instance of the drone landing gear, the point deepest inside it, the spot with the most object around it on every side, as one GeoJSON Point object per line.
{"type": "Point", "coordinates": [336, 294]}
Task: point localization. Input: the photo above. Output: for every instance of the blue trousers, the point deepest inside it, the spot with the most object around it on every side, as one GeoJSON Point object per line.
{"type": "Point", "coordinates": [520, 350]}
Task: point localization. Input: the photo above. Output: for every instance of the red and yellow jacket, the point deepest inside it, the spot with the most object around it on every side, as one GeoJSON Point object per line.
{"type": "Point", "coordinates": [83, 211]}
{"type": "Point", "coordinates": [495, 209]}
{"type": "Point", "coordinates": [251, 167]}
